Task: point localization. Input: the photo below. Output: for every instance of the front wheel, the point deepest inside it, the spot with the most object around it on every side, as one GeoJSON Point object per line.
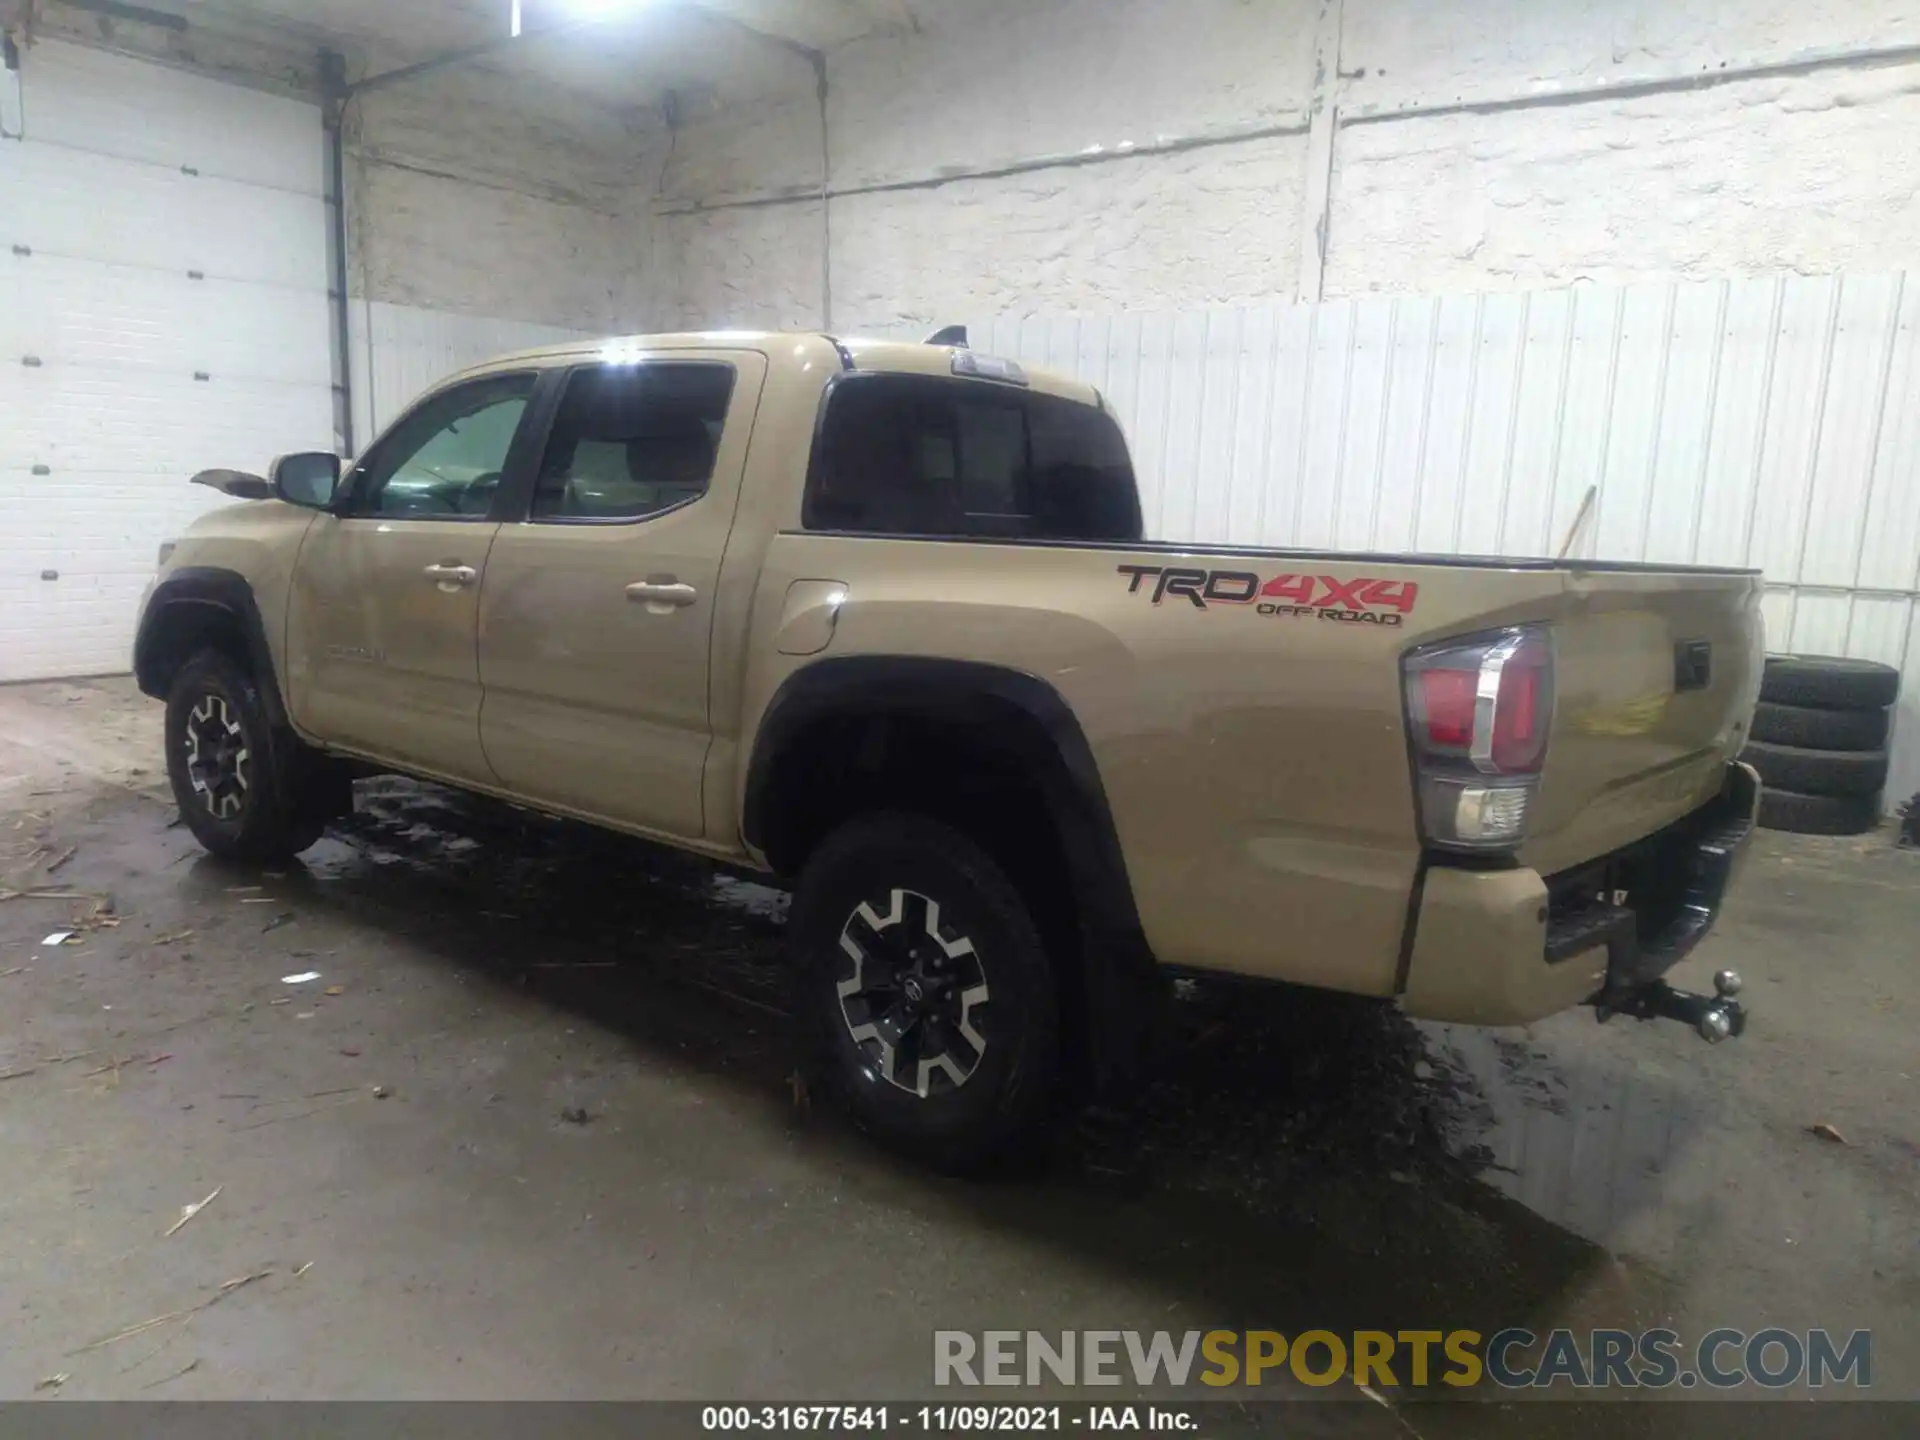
{"type": "Point", "coordinates": [229, 767]}
{"type": "Point", "coordinates": [927, 989]}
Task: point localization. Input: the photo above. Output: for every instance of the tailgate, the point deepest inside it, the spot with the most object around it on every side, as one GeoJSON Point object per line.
{"type": "Point", "coordinates": [1656, 674]}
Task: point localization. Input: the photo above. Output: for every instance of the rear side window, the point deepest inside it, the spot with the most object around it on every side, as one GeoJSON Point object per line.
{"type": "Point", "coordinates": [924, 455]}
{"type": "Point", "coordinates": [631, 441]}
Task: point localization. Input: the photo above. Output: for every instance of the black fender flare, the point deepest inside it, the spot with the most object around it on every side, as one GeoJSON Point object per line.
{"type": "Point", "coordinates": [1030, 718]}
{"type": "Point", "coordinates": [188, 593]}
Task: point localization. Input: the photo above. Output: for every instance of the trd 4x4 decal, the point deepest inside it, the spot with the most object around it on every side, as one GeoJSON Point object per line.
{"type": "Point", "coordinates": [1362, 601]}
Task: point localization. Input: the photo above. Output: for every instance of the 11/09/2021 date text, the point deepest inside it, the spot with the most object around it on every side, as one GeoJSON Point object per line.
{"type": "Point", "coordinates": [940, 1419]}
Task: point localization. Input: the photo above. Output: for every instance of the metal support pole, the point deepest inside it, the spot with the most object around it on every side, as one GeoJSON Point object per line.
{"type": "Point", "coordinates": [333, 79]}
{"type": "Point", "coordinates": [1323, 119]}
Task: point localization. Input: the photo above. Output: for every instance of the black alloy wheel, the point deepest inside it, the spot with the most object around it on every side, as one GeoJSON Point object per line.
{"type": "Point", "coordinates": [931, 1001]}
{"type": "Point", "coordinates": [909, 991]}
{"type": "Point", "coordinates": [234, 774]}
{"type": "Point", "coordinates": [218, 757]}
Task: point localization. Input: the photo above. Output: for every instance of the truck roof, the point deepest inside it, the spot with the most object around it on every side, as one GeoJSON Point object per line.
{"type": "Point", "coordinates": [789, 347]}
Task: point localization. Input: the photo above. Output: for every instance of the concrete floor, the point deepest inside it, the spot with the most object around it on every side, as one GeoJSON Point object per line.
{"type": "Point", "coordinates": [586, 1174]}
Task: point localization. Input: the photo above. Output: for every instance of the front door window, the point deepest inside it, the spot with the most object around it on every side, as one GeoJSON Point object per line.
{"type": "Point", "coordinates": [443, 461]}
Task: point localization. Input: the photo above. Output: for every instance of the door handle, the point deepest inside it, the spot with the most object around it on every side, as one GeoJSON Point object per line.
{"type": "Point", "coordinates": [660, 596]}
{"type": "Point", "coordinates": [451, 577]}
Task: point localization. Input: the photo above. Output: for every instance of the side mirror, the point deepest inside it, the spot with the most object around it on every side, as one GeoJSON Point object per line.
{"type": "Point", "coordinates": [309, 478]}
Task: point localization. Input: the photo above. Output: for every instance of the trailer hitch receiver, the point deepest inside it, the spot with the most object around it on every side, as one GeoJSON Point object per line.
{"type": "Point", "coordinates": [1713, 1018]}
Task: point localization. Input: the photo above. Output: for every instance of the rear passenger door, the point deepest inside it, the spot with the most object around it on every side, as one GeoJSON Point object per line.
{"type": "Point", "coordinates": [596, 614]}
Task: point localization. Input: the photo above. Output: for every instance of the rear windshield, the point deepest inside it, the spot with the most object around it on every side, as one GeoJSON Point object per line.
{"type": "Point", "coordinates": [925, 455]}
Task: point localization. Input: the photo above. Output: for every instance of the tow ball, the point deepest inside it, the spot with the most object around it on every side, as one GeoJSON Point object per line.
{"type": "Point", "coordinates": [1714, 1018]}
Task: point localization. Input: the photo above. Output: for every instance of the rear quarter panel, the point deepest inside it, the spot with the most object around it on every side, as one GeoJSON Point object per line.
{"type": "Point", "coordinates": [1254, 761]}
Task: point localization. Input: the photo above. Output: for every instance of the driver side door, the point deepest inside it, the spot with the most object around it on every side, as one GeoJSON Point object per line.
{"type": "Point", "coordinates": [383, 611]}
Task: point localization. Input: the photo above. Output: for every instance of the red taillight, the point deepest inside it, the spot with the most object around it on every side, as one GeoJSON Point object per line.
{"type": "Point", "coordinates": [1446, 706]}
{"type": "Point", "coordinates": [1519, 741]}
{"type": "Point", "coordinates": [1479, 711]}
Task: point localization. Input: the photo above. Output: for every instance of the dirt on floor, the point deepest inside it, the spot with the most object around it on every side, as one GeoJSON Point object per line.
{"type": "Point", "coordinates": [478, 1105]}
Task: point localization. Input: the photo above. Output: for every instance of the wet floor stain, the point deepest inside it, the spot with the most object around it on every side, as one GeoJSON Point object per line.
{"type": "Point", "coordinates": [1275, 1119]}
{"type": "Point", "coordinates": [1296, 1160]}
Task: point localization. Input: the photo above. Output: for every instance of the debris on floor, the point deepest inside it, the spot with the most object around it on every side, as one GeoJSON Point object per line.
{"type": "Point", "coordinates": [1297, 1145]}
{"type": "Point", "coordinates": [187, 1369]}
{"type": "Point", "coordinates": [188, 1211]}
{"type": "Point", "coordinates": [305, 977]}
{"type": "Point", "coordinates": [227, 1288]}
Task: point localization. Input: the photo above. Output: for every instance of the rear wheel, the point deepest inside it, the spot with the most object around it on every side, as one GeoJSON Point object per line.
{"type": "Point", "coordinates": [231, 770]}
{"type": "Point", "coordinates": [927, 989]}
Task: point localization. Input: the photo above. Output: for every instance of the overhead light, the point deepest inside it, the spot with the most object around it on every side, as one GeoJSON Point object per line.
{"type": "Point", "coordinates": [602, 9]}
{"type": "Point", "coordinates": [576, 10]}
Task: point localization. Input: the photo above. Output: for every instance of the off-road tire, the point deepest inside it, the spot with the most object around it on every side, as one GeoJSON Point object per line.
{"type": "Point", "coordinates": [1815, 729]}
{"type": "Point", "coordinates": [884, 861]}
{"type": "Point", "coordinates": [268, 822]}
{"type": "Point", "coordinates": [1818, 772]}
{"type": "Point", "coordinates": [1829, 683]}
{"type": "Point", "coordinates": [1819, 814]}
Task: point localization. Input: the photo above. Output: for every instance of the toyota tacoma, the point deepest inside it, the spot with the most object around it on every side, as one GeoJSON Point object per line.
{"type": "Point", "coordinates": [881, 621]}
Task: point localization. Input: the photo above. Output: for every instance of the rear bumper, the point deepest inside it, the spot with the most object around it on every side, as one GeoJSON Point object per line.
{"type": "Point", "coordinates": [1506, 947]}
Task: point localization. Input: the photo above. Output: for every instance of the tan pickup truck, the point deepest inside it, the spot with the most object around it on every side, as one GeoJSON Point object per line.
{"type": "Point", "coordinates": [880, 620]}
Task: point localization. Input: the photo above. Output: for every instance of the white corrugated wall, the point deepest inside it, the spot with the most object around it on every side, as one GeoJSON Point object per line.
{"type": "Point", "coordinates": [1770, 422]}
{"type": "Point", "coordinates": [400, 350]}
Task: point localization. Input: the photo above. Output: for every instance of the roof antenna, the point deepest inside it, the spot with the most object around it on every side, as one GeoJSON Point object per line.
{"type": "Point", "coordinates": [954, 335]}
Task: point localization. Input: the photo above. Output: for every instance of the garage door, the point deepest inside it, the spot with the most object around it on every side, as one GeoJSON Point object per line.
{"type": "Point", "coordinates": [163, 309]}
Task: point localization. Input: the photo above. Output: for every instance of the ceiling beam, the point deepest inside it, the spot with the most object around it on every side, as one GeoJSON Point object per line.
{"type": "Point", "coordinates": [808, 26]}
{"type": "Point", "coordinates": [448, 60]}
{"type": "Point", "coordinates": [135, 14]}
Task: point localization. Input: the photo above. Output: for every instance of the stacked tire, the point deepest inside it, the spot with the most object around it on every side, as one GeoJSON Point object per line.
{"type": "Point", "coordinates": [1819, 741]}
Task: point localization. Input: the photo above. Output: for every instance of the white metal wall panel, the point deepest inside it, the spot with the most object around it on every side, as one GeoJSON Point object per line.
{"type": "Point", "coordinates": [163, 309]}
{"type": "Point", "coordinates": [104, 104]}
{"type": "Point", "coordinates": [97, 207]}
{"type": "Point", "coordinates": [400, 350]}
{"type": "Point", "coordinates": [81, 313]}
{"type": "Point", "coordinates": [1772, 422]}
